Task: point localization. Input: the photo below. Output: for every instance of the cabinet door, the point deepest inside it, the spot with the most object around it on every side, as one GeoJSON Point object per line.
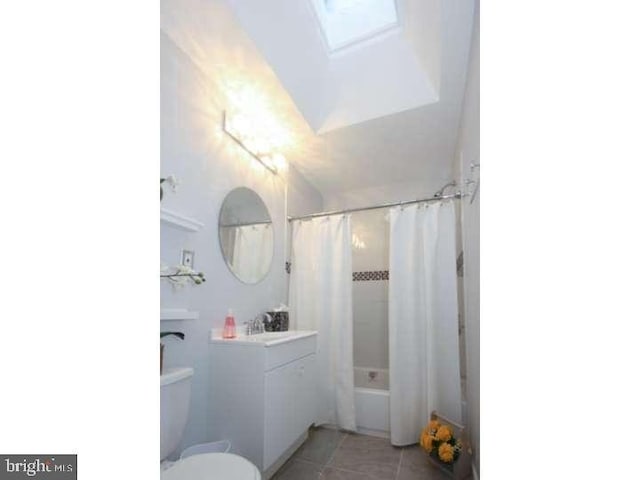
{"type": "Point", "coordinates": [279, 432]}
{"type": "Point", "coordinates": [306, 393]}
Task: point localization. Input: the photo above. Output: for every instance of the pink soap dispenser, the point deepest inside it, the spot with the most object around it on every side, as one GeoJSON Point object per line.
{"type": "Point", "coordinates": [229, 326]}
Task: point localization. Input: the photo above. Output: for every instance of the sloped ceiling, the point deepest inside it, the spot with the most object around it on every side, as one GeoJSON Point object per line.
{"type": "Point", "coordinates": [385, 112]}
{"type": "Point", "coordinates": [377, 77]}
{"type": "Point", "coordinates": [210, 35]}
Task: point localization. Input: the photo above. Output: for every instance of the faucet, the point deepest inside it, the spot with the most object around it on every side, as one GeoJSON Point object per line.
{"type": "Point", "coordinates": [256, 326]}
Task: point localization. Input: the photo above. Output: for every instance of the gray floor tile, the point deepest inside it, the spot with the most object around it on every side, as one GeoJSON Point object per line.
{"type": "Point", "coordinates": [366, 441]}
{"type": "Point", "coordinates": [320, 445]}
{"type": "Point", "coordinates": [416, 466]}
{"type": "Point", "coordinates": [299, 470]}
{"type": "Point", "coordinates": [372, 456]}
{"type": "Point", "coordinates": [330, 473]}
{"type": "Point", "coordinates": [426, 473]}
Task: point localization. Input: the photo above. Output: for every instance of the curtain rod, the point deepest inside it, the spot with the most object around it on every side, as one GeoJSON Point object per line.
{"type": "Point", "coordinates": [384, 205]}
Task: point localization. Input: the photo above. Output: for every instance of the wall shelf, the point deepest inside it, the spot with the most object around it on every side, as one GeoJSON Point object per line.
{"type": "Point", "coordinates": [178, 314]}
{"type": "Point", "coordinates": [179, 221]}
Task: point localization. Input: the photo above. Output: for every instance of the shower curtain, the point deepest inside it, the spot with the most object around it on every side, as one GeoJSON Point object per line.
{"type": "Point", "coordinates": [252, 251]}
{"type": "Point", "coordinates": [320, 297]}
{"type": "Point", "coordinates": [424, 361]}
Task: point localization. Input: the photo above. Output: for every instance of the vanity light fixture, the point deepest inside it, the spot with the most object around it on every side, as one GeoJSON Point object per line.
{"type": "Point", "coordinates": [274, 162]}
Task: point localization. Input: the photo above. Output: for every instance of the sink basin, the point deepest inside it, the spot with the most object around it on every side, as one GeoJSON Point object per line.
{"type": "Point", "coordinates": [264, 339]}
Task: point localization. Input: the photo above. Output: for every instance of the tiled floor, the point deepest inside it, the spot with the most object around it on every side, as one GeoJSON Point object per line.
{"type": "Point", "coordinates": [333, 455]}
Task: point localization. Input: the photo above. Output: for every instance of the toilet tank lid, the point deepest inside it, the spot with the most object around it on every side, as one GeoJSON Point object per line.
{"type": "Point", "coordinates": [172, 375]}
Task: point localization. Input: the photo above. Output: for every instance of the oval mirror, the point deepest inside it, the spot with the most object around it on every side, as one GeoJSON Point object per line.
{"type": "Point", "coordinates": [246, 235]}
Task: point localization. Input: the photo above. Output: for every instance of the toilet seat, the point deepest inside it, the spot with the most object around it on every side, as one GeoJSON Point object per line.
{"type": "Point", "coordinates": [212, 466]}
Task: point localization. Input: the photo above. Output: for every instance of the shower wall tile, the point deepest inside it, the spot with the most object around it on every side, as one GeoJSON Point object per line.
{"type": "Point", "coordinates": [372, 291]}
{"type": "Point", "coordinates": [371, 334]}
{"type": "Point", "coordinates": [373, 231]}
{"type": "Point", "coordinates": [371, 312]}
{"type": "Point", "coordinates": [367, 259]}
{"type": "Point", "coordinates": [370, 346]}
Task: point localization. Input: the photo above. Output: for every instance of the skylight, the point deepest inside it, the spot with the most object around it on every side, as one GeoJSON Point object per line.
{"type": "Point", "coordinates": [345, 22]}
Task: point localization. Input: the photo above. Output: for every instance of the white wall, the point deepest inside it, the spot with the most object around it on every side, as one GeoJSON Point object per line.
{"type": "Point", "coordinates": [469, 152]}
{"type": "Point", "coordinates": [209, 165]}
{"type": "Point", "coordinates": [302, 197]}
{"type": "Point", "coordinates": [393, 192]}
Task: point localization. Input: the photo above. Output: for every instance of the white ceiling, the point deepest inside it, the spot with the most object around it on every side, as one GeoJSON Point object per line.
{"type": "Point", "coordinates": [386, 112]}
{"type": "Point", "coordinates": [382, 75]}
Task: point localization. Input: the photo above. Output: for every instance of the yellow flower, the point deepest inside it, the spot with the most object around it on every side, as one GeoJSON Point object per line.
{"type": "Point", "coordinates": [445, 452]}
{"type": "Point", "coordinates": [433, 425]}
{"type": "Point", "coordinates": [444, 433]}
{"type": "Point", "coordinates": [426, 440]}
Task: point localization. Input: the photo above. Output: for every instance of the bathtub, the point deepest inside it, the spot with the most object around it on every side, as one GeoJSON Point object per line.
{"type": "Point", "coordinates": [372, 401]}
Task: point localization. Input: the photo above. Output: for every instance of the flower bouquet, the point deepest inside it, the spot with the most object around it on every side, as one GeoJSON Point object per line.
{"type": "Point", "coordinates": [442, 441]}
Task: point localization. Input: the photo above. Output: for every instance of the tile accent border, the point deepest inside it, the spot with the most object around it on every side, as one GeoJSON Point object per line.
{"type": "Point", "coordinates": [371, 275]}
{"type": "Point", "coordinates": [357, 276]}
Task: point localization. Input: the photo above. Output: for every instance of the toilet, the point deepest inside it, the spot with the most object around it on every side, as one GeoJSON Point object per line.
{"type": "Point", "coordinates": [175, 393]}
{"type": "Point", "coordinates": [223, 466]}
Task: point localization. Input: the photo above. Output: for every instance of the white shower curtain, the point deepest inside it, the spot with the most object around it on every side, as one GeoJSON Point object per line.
{"type": "Point", "coordinates": [424, 361]}
{"type": "Point", "coordinates": [320, 299]}
{"type": "Point", "coordinates": [252, 251]}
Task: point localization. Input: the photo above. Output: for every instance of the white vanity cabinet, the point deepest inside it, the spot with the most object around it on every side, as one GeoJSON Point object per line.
{"type": "Point", "coordinates": [262, 395]}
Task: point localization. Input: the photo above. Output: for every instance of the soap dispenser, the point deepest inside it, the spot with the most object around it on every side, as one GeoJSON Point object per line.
{"type": "Point", "coordinates": [229, 326]}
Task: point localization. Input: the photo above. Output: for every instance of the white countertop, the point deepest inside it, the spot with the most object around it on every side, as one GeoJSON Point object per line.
{"type": "Point", "coordinates": [266, 339]}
